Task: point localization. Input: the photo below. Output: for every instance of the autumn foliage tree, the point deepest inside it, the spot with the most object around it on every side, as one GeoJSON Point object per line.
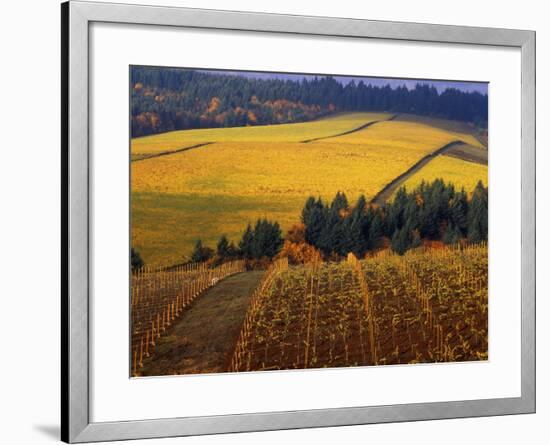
{"type": "Point", "coordinates": [296, 249]}
{"type": "Point", "coordinates": [165, 99]}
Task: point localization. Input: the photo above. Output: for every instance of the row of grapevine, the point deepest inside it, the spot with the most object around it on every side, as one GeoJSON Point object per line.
{"type": "Point", "coordinates": [255, 302]}
{"type": "Point", "coordinates": [454, 284]}
{"type": "Point", "coordinates": [310, 316]}
{"type": "Point", "coordinates": [429, 305]}
{"type": "Point", "coordinates": [159, 296]}
{"type": "Point", "coordinates": [369, 309]}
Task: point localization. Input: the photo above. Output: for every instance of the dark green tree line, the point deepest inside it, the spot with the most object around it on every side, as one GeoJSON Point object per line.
{"type": "Point", "coordinates": [263, 240]}
{"type": "Point", "coordinates": [165, 99]}
{"type": "Point", "coordinates": [434, 211]}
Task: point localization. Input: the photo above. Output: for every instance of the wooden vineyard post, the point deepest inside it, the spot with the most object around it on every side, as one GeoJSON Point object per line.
{"type": "Point", "coordinates": [141, 352]}
{"type": "Point", "coordinates": [240, 349]}
{"type": "Point", "coordinates": [160, 295]}
{"type": "Point", "coordinates": [135, 362]}
{"type": "Point", "coordinates": [355, 265]}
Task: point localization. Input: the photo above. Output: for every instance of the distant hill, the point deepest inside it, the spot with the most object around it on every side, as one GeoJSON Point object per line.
{"type": "Point", "coordinates": [166, 99]}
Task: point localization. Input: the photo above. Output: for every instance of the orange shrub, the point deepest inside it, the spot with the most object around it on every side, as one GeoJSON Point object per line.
{"type": "Point", "coordinates": [299, 253]}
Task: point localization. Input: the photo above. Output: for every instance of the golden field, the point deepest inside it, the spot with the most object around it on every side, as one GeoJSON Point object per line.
{"type": "Point", "coordinates": [276, 170]}
{"type": "Point", "coordinates": [402, 135]}
{"type": "Point", "coordinates": [461, 129]}
{"type": "Point", "coordinates": [328, 126]}
{"type": "Point", "coordinates": [461, 173]}
{"type": "Point", "coordinates": [265, 171]}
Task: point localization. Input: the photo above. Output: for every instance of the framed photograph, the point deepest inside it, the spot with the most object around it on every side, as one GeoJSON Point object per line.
{"type": "Point", "coordinates": [275, 222]}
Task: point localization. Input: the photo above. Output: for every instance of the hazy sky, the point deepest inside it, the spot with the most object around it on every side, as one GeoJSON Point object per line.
{"type": "Point", "coordinates": [441, 85]}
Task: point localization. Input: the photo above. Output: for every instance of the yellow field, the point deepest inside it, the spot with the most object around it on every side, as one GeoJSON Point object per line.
{"type": "Point", "coordinates": [329, 126]}
{"type": "Point", "coordinates": [254, 172]}
{"type": "Point", "coordinates": [462, 130]}
{"type": "Point", "coordinates": [274, 169]}
{"type": "Point", "coordinates": [358, 163]}
{"type": "Point", "coordinates": [461, 173]}
{"type": "Point", "coordinates": [404, 135]}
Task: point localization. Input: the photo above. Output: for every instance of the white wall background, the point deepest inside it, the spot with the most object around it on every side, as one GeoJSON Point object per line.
{"type": "Point", "coordinates": [29, 221]}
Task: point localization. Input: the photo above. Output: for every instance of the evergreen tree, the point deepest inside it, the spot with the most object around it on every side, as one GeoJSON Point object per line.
{"type": "Point", "coordinates": [459, 212]}
{"type": "Point", "coordinates": [260, 239]}
{"type": "Point", "coordinates": [452, 234]}
{"type": "Point", "coordinates": [478, 215]}
{"type": "Point", "coordinates": [395, 210]}
{"type": "Point", "coordinates": [429, 226]}
{"type": "Point", "coordinates": [232, 250]}
{"type": "Point", "coordinates": [341, 238]}
{"type": "Point", "coordinates": [308, 210]}
{"type": "Point", "coordinates": [340, 202]}
{"type": "Point", "coordinates": [275, 239]}
{"type": "Point", "coordinates": [361, 205]}
{"type": "Point", "coordinates": [411, 213]}
{"type": "Point", "coordinates": [329, 231]}
{"type": "Point", "coordinates": [246, 243]}
{"type": "Point", "coordinates": [222, 248]}
{"type": "Point", "coordinates": [375, 231]}
{"type": "Point", "coordinates": [358, 228]}
{"type": "Point", "coordinates": [416, 241]}
{"type": "Point", "coordinates": [267, 239]}
{"type": "Point", "coordinates": [314, 218]}
{"type": "Point", "coordinates": [136, 261]}
{"type": "Point", "coordinates": [400, 241]}
{"type": "Point", "coordinates": [196, 256]}
{"type": "Point", "coordinates": [201, 253]}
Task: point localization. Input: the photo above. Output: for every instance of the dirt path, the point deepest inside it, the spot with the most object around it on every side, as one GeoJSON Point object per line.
{"type": "Point", "coordinates": [362, 127]}
{"type": "Point", "coordinates": [469, 153]}
{"type": "Point", "coordinates": [383, 195]}
{"type": "Point", "coordinates": [168, 152]}
{"type": "Point", "coordinates": [203, 338]}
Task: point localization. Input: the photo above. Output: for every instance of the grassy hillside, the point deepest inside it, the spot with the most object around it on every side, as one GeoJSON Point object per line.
{"type": "Point", "coordinates": [264, 171]}
{"type": "Point", "coordinates": [165, 226]}
{"type": "Point", "coordinates": [461, 173]}
{"type": "Point", "coordinates": [329, 126]}
{"type": "Point", "coordinates": [405, 135]}
{"type": "Point", "coordinates": [462, 129]}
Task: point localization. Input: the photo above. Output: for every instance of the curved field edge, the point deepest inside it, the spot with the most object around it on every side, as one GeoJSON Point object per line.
{"type": "Point", "coordinates": [457, 127]}
{"type": "Point", "coordinates": [296, 132]}
{"type": "Point", "coordinates": [462, 173]}
{"type": "Point", "coordinates": [144, 156]}
{"type": "Point", "coordinates": [362, 127]}
{"type": "Point", "coordinates": [390, 188]}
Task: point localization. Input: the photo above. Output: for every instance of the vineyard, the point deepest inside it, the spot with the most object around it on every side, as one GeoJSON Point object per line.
{"type": "Point", "coordinates": [233, 175]}
{"type": "Point", "coordinates": [160, 295]}
{"type": "Point", "coordinates": [297, 132]}
{"type": "Point", "coordinates": [426, 306]}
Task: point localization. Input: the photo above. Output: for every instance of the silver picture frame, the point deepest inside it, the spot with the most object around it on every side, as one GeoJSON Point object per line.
{"type": "Point", "coordinates": [75, 394]}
